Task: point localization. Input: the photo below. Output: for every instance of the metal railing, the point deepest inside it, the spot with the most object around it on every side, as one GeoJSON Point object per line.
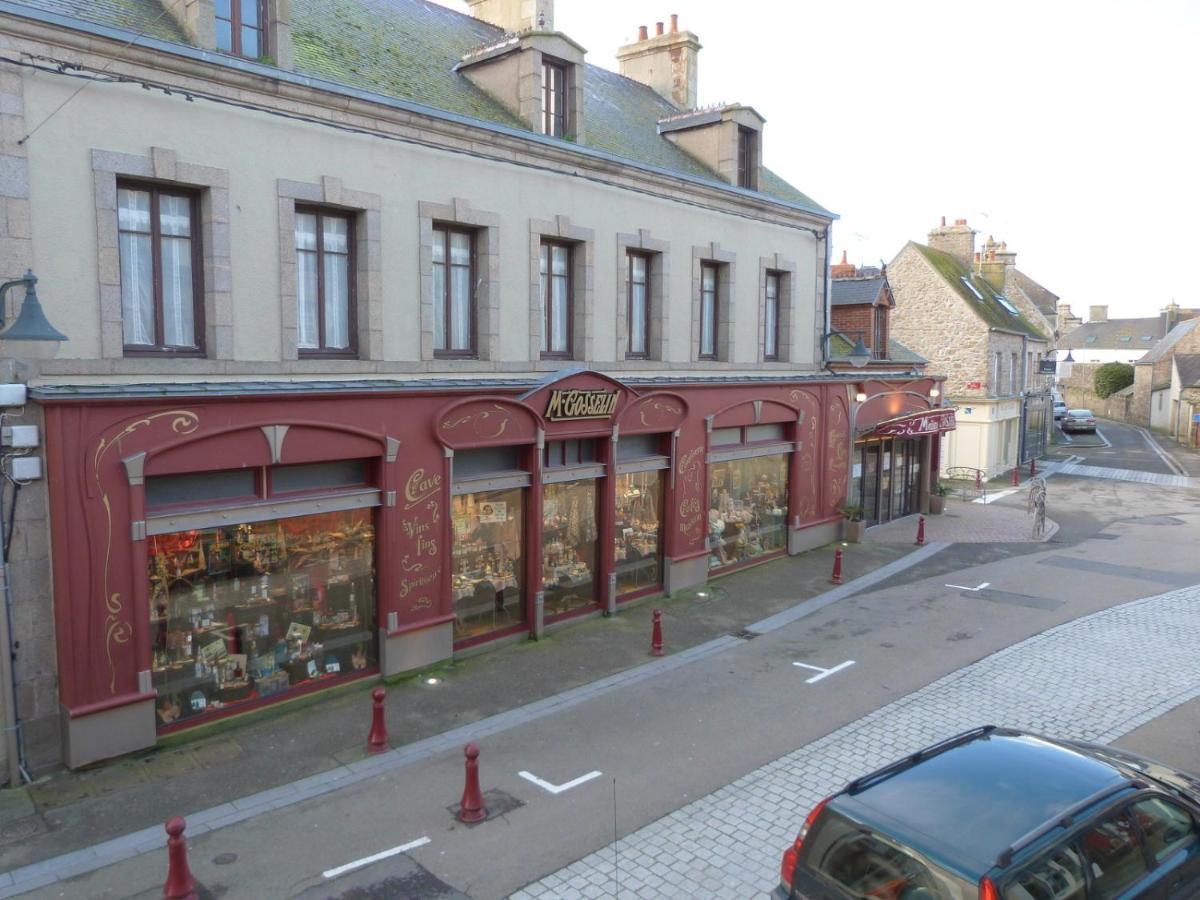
{"type": "Point", "coordinates": [969, 483]}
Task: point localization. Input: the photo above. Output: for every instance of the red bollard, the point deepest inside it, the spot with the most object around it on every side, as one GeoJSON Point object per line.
{"type": "Point", "coordinates": [377, 740]}
{"type": "Point", "coordinates": [1016, 476]}
{"type": "Point", "coordinates": [656, 636]}
{"type": "Point", "coordinates": [1032, 468]}
{"type": "Point", "coordinates": [837, 567]}
{"type": "Point", "coordinates": [472, 809]}
{"type": "Point", "coordinates": [920, 531]}
{"type": "Point", "coordinates": [978, 480]}
{"type": "Point", "coordinates": [180, 883]}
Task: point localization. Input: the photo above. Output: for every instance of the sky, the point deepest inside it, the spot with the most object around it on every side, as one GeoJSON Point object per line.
{"type": "Point", "coordinates": [1066, 128]}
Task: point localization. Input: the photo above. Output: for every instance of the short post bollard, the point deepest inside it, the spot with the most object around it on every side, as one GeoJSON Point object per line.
{"type": "Point", "coordinates": [180, 884]}
{"type": "Point", "coordinates": [472, 809]}
{"type": "Point", "coordinates": [920, 531]}
{"type": "Point", "coordinates": [978, 480]}
{"type": "Point", "coordinates": [656, 642]}
{"type": "Point", "coordinates": [377, 740]}
{"type": "Point", "coordinates": [836, 578]}
{"type": "Point", "coordinates": [1016, 476]}
{"type": "Point", "coordinates": [1032, 468]}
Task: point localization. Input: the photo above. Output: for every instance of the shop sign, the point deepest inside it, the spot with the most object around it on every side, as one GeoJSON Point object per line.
{"type": "Point", "coordinates": [577, 404]}
{"type": "Point", "coordinates": [1047, 366]}
{"type": "Point", "coordinates": [922, 423]}
{"type": "Point", "coordinates": [974, 385]}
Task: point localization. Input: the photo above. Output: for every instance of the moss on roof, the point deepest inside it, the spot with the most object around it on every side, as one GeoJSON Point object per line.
{"type": "Point", "coordinates": [989, 308]}
{"type": "Point", "coordinates": [148, 17]}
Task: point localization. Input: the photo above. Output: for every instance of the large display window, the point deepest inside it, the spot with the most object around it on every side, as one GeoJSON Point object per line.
{"type": "Point", "coordinates": [244, 612]}
{"type": "Point", "coordinates": [489, 528]}
{"type": "Point", "coordinates": [569, 541]}
{"type": "Point", "coordinates": [637, 546]}
{"type": "Point", "coordinates": [747, 514]}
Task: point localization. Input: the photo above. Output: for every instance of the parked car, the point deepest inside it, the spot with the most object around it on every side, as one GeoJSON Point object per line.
{"type": "Point", "coordinates": [1060, 410]}
{"type": "Point", "coordinates": [1079, 420]}
{"type": "Point", "coordinates": [1000, 814]}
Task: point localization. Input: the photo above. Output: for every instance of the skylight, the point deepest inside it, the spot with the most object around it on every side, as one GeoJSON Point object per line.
{"type": "Point", "coordinates": [1003, 301]}
{"type": "Point", "coordinates": [1125, 338]}
{"type": "Point", "coordinates": [1091, 339]}
{"type": "Point", "coordinates": [1147, 337]}
{"type": "Point", "coordinates": [970, 287]}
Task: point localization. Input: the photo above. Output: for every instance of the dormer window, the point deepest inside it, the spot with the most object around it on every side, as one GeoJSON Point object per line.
{"type": "Point", "coordinates": [747, 158]}
{"type": "Point", "coordinates": [240, 27]}
{"type": "Point", "coordinates": [554, 99]}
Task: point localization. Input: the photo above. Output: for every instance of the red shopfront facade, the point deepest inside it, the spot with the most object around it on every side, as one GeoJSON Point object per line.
{"type": "Point", "coordinates": [213, 554]}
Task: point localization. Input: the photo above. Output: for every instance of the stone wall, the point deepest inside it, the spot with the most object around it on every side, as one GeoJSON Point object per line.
{"type": "Point", "coordinates": [1078, 392]}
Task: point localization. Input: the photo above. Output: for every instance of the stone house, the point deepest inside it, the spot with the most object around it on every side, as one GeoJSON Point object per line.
{"type": "Point", "coordinates": [861, 305]}
{"type": "Point", "coordinates": [1157, 389]}
{"type": "Point", "coordinates": [1104, 340]}
{"type": "Point", "coordinates": [953, 308]}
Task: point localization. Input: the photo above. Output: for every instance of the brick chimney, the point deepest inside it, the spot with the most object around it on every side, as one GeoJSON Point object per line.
{"type": "Point", "coordinates": [843, 269]}
{"type": "Point", "coordinates": [958, 240]}
{"type": "Point", "coordinates": [1067, 321]}
{"type": "Point", "coordinates": [1098, 313]}
{"type": "Point", "coordinates": [515, 15]}
{"type": "Point", "coordinates": [665, 62]}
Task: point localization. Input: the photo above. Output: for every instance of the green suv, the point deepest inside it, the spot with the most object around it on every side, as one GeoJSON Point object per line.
{"type": "Point", "coordinates": [999, 814]}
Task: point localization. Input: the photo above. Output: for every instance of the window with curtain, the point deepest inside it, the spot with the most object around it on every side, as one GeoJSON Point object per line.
{"type": "Point", "coordinates": [639, 306]}
{"type": "Point", "coordinates": [771, 317]}
{"type": "Point", "coordinates": [556, 299]}
{"type": "Point", "coordinates": [708, 311]}
{"type": "Point", "coordinates": [240, 27]}
{"type": "Point", "coordinates": [554, 99]}
{"type": "Point", "coordinates": [453, 292]}
{"type": "Point", "coordinates": [324, 283]}
{"type": "Point", "coordinates": [160, 269]}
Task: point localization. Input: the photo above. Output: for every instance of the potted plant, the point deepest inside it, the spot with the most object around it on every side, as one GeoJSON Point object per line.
{"type": "Point", "coordinates": [937, 498]}
{"type": "Point", "coordinates": [853, 524]}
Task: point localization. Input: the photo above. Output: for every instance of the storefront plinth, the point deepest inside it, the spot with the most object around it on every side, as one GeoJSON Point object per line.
{"type": "Point", "coordinates": [682, 574]}
{"type": "Point", "coordinates": [801, 540]}
{"type": "Point", "coordinates": [109, 732]}
{"type": "Point", "coordinates": [410, 650]}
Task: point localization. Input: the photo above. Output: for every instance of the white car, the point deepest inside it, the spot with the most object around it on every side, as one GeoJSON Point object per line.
{"type": "Point", "coordinates": [1060, 410]}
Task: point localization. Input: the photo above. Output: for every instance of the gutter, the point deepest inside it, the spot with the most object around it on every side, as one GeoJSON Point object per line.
{"type": "Point", "coordinates": [249, 67]}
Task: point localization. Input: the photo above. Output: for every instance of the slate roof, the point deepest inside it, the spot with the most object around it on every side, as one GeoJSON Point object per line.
{"type": "Point", "coordinates": [1189, 369]}
{"type": "Point", "coordinates": [1162, 349]}
{"type": "Point", "coordinates": [407, 50]}
{"type": "Point", "coordinates": [1115, 334]}
{"type": "Point", "coordinates": [856, 291]}
{"type": "Point", "coordinates": [989, 309]}
{"type": "Point", "coordinates": [1045, 300]}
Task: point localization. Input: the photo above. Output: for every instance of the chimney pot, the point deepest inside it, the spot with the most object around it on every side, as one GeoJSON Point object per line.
{"type": "Point", "coordinates": [978, 256]}
{"type": "Point", "coordinates": [674, 23]}
{"type": "Point", "coordinates": [643, 33]}
{"type": "Point", "coordinates": [960, 221]}
{"type": "Point", "coordinates": [658, 28]}
{"type": "Point", "coordinates": [943, 221]}
{"type": "Point", "coordinates": [843, 257]}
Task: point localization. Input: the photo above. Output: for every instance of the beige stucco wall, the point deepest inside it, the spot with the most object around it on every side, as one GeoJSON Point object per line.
{"type": "Point", "coordinates": [257, 149]}
{"type": "Point", "coordinates": [986, 437]}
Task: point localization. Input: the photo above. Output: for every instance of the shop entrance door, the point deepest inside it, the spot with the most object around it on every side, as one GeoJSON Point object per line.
{"type": "Point", "coordinates": [870, 487]}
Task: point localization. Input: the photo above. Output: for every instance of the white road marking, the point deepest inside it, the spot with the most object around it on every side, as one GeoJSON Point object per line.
{"type": "Point", "coordinates": [992, 498]}
{"type": "Point", "coordinates": [1066, 437]}
{"type": "Point", "coordinates": [1100, 435]}
{"type": "Point", "coordinates": [559, 788]}
{"type": "Point", "coordinates": [825, 673]}
{"type": "Point", "coordinates": [963, 587]}
{"type": "Point", "coordinates": [367, 860]}
{"type": "Point", "coordinates": [1162, 454]}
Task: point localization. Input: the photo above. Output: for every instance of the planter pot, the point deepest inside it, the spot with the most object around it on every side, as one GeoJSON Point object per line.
{"type": "Point", "coordinates": [937, 504]}
{"type": "Point", "coordinates": [853, 531]}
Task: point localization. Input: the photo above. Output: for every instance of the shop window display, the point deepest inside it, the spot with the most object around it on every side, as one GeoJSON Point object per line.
{"type": "Point", "coordinates": [250, 611]}
{"type": "Point", "coordinates": [747, 514]}
{"type": "Point", "coordinates": [636, 546]}
{"type": "Point", "coordinates": [488, 528]}
{"type": "Point", "coordinates": [569, 545]}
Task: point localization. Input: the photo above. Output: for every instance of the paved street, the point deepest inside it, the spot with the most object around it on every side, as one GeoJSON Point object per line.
{"type": "Point", "coordinates": [1114, 445]}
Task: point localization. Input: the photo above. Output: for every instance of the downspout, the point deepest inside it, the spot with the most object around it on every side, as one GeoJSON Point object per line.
{"type": "Point", "coordinates": [1021, 446]}
{"type": "Point", "coordinates": [825, 302]}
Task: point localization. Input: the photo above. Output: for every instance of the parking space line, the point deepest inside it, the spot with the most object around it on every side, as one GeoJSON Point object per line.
{"type": "Point", "coordinates": [367, 860]}
{"type": "Point", "coordinates": [559, 788]}
{"type": "Point", "coordinates": [825, 673]}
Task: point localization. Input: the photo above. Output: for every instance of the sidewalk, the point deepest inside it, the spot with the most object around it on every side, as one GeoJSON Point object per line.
{"type": "Point", "coordinates": [69, 811]}
{"type": "Point", "coordinates": [1188, 458]}
{"type": "Point", "coordinates": [968, 522]}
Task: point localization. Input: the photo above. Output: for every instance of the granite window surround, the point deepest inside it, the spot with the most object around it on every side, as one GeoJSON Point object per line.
{"type": "Point", "coordinates": [163, 167]}
{"type": "Point", "coordinates": [786, 270]}
{"type": "Point", "coordinates": [659, 339]}
{"type": "Point", "coordinates": [365, 211]}
{"type": "Point", "coordinates": [485, 227]}
{"type": "Point", "coordinates": [726, 265]}
{"type": "Point", "coordinates": [583, 261]}
{"type": "Point", "coordinates": [198, 18]}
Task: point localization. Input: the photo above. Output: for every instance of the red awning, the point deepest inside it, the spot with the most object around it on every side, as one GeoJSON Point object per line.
{"type": "Point", "coordinates": [932, 421]}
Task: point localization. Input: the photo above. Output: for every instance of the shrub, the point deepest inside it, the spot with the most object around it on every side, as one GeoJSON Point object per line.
{"type": "Point", "coordinates": [1112, 377]}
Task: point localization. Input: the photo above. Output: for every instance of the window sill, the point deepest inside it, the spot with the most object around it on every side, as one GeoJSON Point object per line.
{"type": "Point", "coordinates": [141, 351]}
{"type": "Point", "coordinates": [455, 354]}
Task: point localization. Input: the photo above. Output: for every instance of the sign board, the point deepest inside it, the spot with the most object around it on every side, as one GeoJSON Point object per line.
{"type": "Point", "coordinates": [575, 404]}
{"type": "Point", "coordinates": [1196, 417]}
{"type": "Point", "coordinates": [974, 385]}
{"type": "Point", "coordinates": [919, 424]}
{"type": "Point", "coordinates": [1047, 366]}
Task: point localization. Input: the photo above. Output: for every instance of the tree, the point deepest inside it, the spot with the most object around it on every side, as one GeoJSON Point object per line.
{"type": "Point", "coordinates": [1112, 377]}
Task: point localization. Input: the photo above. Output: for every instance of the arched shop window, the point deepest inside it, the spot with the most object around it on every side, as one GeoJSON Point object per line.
{"type": "Point", "coordinates": [570, 525]}
{"type": "Point", "coordinates": [642, 463]}
{"type": "Point", "coordinates": [254, 593]}
{"type": "Point", "coordinates": [748, 493]}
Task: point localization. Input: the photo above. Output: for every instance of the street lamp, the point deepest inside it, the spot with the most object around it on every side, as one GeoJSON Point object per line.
{"type": "Point", "coordinates": [31, 324]}
{"type": "Point", "coordinates": [1064, 366]}
{"type": "Point", "coordinates": [859, 355]}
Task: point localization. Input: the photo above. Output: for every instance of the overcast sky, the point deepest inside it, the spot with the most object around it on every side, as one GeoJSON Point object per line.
{"type": "Point", "coordinates": [1066, 128]}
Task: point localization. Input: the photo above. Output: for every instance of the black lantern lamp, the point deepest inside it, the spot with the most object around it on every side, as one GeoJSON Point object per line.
{"type": "Point", "coordinates": [31, 324]}
{"type": "Point", "coordinates": [859, 355]}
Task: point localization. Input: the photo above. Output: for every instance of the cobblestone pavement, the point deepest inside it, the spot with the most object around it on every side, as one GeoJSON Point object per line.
{"type": "Point", "coordinates": [967, 523]}
{"type": "Point", "coordinates": [1068, 681]}
{"type": "Point", "coordinates": [1127, 475]}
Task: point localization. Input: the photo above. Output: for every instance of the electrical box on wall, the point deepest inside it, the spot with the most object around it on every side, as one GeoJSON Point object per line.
{"type": "Point", "coordinates": [12, 394]}
{"type": "Point", "coordinates": [19, 437]}
{"type": "Point", "coordinates": [26, 468]}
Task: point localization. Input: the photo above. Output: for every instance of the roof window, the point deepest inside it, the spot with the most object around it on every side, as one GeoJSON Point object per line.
{"type": "Point", "coordinates": [1090, 339]}
{"type": "Point", "coordinates": [1125, 338]}
{"type": "Point", "coordinates": [1003, 301]}
{"type": "Point", "coordinates": [974, 290]}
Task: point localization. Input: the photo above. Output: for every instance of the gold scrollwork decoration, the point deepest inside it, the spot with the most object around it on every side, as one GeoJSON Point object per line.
{"type": "Point", "coordinates": [498, 415]}
{"type": "Point", "coordinates": [118, 630]}
{"type": "Point", "coordinates": [659, 406]}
